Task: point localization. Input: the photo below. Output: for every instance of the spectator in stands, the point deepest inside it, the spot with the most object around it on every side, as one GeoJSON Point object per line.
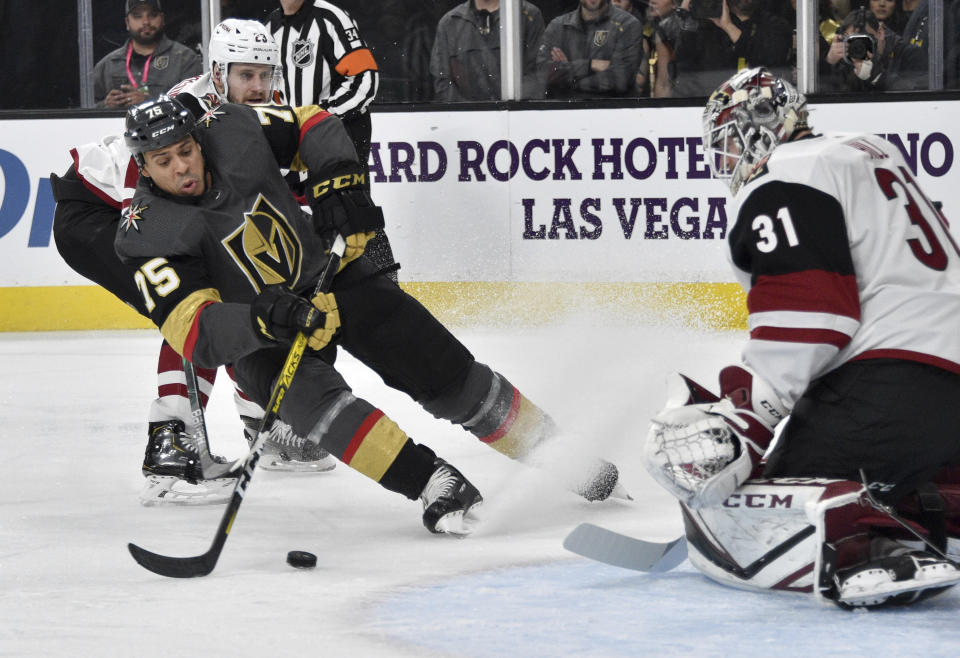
{"type": "Point", "coordinates": [827, 26]}
{"type": "Point", "coordinates": [710, 49]}
{"type": "Point", "coordinates": [465, 60]}
{"type": "Point", "coordinates": [147, 64]}
{"type": "Point", "coordinates": [888, 64]}
{"type": "Point", "coordinates": [593, 51]}
{"type": "Point", "coordinates": [632, 7]}
{"type": "Point", "coordinates": [910, 6]}
{"type": "Point", "coordinates": [916, 33]}
{"type": "Point", "coordinates": [889, 13]}
{"type": "Point", "coordinates": [662, 29]}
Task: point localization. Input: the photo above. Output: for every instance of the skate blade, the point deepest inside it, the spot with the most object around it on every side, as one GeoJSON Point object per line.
{"type": "Point", "coordinates": [292, 466]}
{"type": "Point", "coordinates": [942, 576]}
{"type": "Point", "coordinates": [168, 490]}
{"type": "Point", "coordinates": [459, 523]}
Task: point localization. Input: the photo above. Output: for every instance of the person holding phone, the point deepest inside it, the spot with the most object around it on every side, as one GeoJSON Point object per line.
{"type": "Point", "coordinates": [147, 64]}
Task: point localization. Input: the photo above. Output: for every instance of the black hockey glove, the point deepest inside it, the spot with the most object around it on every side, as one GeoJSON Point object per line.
{"type": "Point", "coordinates": [278, 315]}
{"type": "Point", "coordinates": [342, 205]}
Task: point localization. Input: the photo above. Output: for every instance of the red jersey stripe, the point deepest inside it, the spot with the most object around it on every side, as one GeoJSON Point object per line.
{"type": "Point", "coordinates": [801, 335]}
{"type": "Point", "coordinates": [322, 115]}
{"type": "Point", "coordinates": [505, 426]}
{"type": "Point", "coordinates": [810, 290]}
{"type": "Point", "coordinates": [191, 340]}
{"type": "Point", "coordinates": [360, 435]}
{"type": "Point", "coordinates": [909, 355]}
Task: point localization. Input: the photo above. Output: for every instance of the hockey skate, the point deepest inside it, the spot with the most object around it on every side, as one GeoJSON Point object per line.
{"type": "Point", "coordinates": [449, 501]}
{"type": "Point", "coordinates": [173, 473]}
{"type": "Point", "coordinates": [285, 451]}
{"type": "Point", "coordinates": [895, 580]}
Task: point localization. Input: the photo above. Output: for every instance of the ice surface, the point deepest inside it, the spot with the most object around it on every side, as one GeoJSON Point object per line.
{"type": "Point", "coordinates": [73, 428]}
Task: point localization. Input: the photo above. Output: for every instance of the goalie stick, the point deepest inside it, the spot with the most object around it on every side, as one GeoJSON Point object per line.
{"type": "Point", "coordinates": [592, 541]}
{"type": "Point", "coordinates": [201, 565]}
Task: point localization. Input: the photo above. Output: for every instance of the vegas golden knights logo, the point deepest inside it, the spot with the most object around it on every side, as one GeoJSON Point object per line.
{"type": "Point", "coordinates": [600, 37]}
{"type": "Point", "coordinates": [265, 246]}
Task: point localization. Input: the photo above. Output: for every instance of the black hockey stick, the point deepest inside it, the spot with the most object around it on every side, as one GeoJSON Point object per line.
{"type": "Point", "coordinates": [201, 565]}
{"type": "Point", "coordinates": [210, 468]}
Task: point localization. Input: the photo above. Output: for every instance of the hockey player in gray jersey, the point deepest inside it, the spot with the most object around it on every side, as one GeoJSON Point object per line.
{"type": "Point", "coordinates": [90, 196]}
{"type": "Point", "coordinates": [224, 255]}
{"type": "Point", "coordinates": [853, 290]}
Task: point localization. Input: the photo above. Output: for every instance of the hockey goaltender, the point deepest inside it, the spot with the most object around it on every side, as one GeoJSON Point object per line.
{"type": "Point", "coordinates": [853, 357]}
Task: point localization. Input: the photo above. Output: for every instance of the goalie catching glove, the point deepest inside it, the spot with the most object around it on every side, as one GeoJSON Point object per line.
{"type": "Point", "coordinates": [278, 314]}
{"type": "Point", "coordinates": [702, 447]}
{"type": "Point", "coordinates": [341, 204]}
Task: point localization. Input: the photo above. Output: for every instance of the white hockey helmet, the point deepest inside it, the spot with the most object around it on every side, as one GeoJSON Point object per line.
{"type": "Point", "coordinates": [745, 119]}
{"type": "Point", "coordinates": [236, 41]}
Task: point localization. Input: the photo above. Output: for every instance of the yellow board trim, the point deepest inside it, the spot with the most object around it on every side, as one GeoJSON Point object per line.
{"type": "Point", "coordinates": [701, 305]}
{"type": "Point", "coordinates": [62, 308]}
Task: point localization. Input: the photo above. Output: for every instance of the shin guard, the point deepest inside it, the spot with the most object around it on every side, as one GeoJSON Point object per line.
{"type": "Point", "coordinates": [488, 406]}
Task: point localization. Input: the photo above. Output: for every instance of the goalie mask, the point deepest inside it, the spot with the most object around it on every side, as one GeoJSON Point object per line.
{"type": "Point", "coordinates": [236, 41]}
{"type": "Point", "coordinates": [745, 119]}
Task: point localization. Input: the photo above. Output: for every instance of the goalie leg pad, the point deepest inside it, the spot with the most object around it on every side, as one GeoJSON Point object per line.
{"type": "Point", "coordinates": [770, 534]}
{"type": "Point", "coordinates": [814, 536]}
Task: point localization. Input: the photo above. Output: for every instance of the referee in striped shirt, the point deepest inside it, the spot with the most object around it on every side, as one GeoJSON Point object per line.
{"type": "Point", "coordinates": [327, 63]}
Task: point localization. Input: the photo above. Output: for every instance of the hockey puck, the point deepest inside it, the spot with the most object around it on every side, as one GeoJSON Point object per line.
{"type": "Point", "coordinates": [301, 559]}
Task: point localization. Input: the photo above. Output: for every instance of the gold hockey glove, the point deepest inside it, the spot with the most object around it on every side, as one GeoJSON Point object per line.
{"type": "Point", "coordinates": [356, 243]}
{"type": "Point", "coordinates": [278, 314]}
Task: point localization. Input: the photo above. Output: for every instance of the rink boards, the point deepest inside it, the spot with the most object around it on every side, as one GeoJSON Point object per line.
{"type": "Point", "coordinates": [499, 216]}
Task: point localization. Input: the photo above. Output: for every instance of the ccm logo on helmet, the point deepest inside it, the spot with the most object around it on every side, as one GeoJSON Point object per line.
{"type": "Point", "coordinates": [157, 133]}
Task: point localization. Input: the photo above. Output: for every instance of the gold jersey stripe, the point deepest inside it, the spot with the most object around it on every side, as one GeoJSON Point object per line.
{"type": "Point", "coordinates": [524, 430]}
{"type": "Point", "coordinates": [304, 114]}
{"type": "Point", "coordinates": [378, 449]}
{"type": "Point", "coordinates": [176, 328]}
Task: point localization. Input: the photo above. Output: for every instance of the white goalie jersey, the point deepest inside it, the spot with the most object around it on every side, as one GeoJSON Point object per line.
{"type": "Point", "coordinates": [843, 257]}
